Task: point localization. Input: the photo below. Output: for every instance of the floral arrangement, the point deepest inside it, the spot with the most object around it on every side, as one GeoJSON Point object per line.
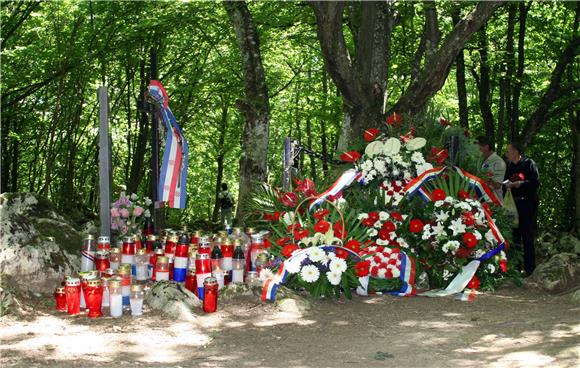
{"type": "Point", "coordinates": [128, 214]}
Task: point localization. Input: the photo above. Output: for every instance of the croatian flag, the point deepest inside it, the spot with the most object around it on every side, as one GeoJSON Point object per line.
{"type": "Point", "coordinates": [172, 184]}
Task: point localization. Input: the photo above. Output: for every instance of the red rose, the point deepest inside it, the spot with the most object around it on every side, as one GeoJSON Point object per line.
{"type": "Point", "coordinates": [389, 226]}
{"type": "Point", "coordinates": [396, 216]}
{"type": "Point", "coordinates": [341, 253]}
{"type": "Point", "coordinates": [288, 199]}
{"type": "Point", "coordinates": [321, 214]}
{"type": "Point", "coordinates": [503, 265]}
{"type": "Point", "coordinates": [473, 283]}
{"type": "Point", "coordinates": [470, 240]}
{"type": "Point", "coordinates": [322, 226]}
{"type": "Point", "coordinates": [438, 195]}
{"type": "Point", "coordinates": [283, 241]}
{"type": "Point", "coordinates": [301, 234]}
{"type": "Point", "coordinates": [370, 134]}
{"type": "Point", "coordinates": [350, 156]}
{"type": "Point", "coordinates": [463, 253]}
{"type": "Point", "coordinates": [384, 234]}
{"type": "Point", "coordinates": [462, 194]}
{"type": "Point", "coordinates": [353, 245]}
{"type": "Point", "coordinates": [468, 219]}
{"type": "Point", "coordinates": [288, 249]}
{"type": "Point", "coordinates": [394, 119]}
{"type": "Point", "coordinates": [339, 230]}
{"type": "Point", "coordinates": [416, 226]}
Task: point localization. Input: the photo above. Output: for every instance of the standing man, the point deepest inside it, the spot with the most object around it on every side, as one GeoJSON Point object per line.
{"type": "Point", "coordinates": [493, 165]}
{"type": "Point", "coordinates": [523, 180]}
{"type": "Point", "coordinates": [226, 203]}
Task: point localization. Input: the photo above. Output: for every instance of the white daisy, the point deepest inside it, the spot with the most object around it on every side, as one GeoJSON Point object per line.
{"type": "Point", "coordinates": [316, 254]}
{"type": "Point", "coordinates": [338, 264]}
{"type": "Point", "coordinates": [293, 266]}
{"type": "Point", "coordinates": [334, 277]}
{"type": "Point", "coordinates": [490, 268]}
{"type": "Point", "coordinates": [310, 273]}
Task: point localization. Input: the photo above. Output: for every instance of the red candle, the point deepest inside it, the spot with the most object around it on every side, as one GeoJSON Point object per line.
{"type": "Point", "coordinates": [203, 263]}
{"type": "Point", "coordinates": [150, 244]}
{"type": "Point", "coordinates": [103, 243]}
{"type": "Point", "coordinates": [191, 281]}
{"type": "Point", "coordinates": [102, 261]}
{"type": "Point", "coordinates": [210, 291]}
{"type": "Point", "coordinates": [94, 297]}
{"type": "Point", "coordinates": [60, 299]}
{"type": "Point", "coordinates": [171, 243]}
{"type": "Point", "coordinates": [158, 253]}
{"type": "Point", "coordinates": [128, 246]}
{"type": "Point", "coordinates": [73, 295]}
{"type": "Point", "coordinates": [195, 237]}
{"type": "Point", "coordinates": [138, 243]}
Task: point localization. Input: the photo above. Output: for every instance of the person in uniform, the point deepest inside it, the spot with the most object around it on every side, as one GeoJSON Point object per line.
{"type": "Point", "coordinates": [493, 165]}
{"type": "Point", "coordinates": [523, 180]}
{"type": "Point", "coordinates": [226, 203]}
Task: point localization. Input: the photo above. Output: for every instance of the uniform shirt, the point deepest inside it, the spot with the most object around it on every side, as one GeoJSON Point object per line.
{"type": "Point", "coordinates": [222, 196]}
{"type": "Point", "coordinates": [527, 172]}
{"type": "Point", "coordinates": [496, 166]}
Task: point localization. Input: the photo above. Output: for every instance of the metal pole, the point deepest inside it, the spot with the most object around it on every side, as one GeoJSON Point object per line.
{"type": "Point", "coordinates": [287, 173]}
{"type": "Point", "coordinates": [104, 163]}
{"type": "Point", "coordinates": [157, 216]}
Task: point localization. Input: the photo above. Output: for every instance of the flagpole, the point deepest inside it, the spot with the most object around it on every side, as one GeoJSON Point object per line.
{"type": "Point", "coordinates": [155, 152]}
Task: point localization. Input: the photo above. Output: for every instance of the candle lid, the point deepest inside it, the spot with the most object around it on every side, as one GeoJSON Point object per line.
{"type": "Point", "coordinates": [109, 271]}
{"type": "Point", "coordinates": [237, 243]}
{"type": "Point", "coordinates": [250, 230]}
{"type": "Point", "coordinates": [141, 251]}
{"type": "Point", "coordinates": [151, 237]}
{"type": "Point", "coordinates": [124, 270]}
{"type": "Point", "coordinates": [114, 282]}
{"type": "Point", "coordinates": [73, 281]}
{"type": "Point", "coordinates": [173, 238]}
{"type": "Point", "coordinates": [89, 237]}
{"type": "Point", "coordinates": [197, 233]}
{"type": "Point", "coordinates": [191, 271]}
{"type": "Point", "coordinates": [136, 237]}
{"type": "Point", "coordinates": [102, 254]}
{"type": "Point", "coordinates": [162, 259]}
{"type": "Point", "coordinates": [227, 241]}
{"type": "Point", "coordinates": [59, 290]}
{"type": "Point", "coordinates": [237, 230]}
{"type": "Point", "coordinates": [94, 282]}
{"type": "Point", "coordinates": [184, 239]}
{"type": "Point", "coordinates": [136, 287]}
{"type": "Point", "coordinates": [210, 281]}
{"type": "Point", "coordinates": [115, 250]}
{"type": "Point", "coordinates": [159, 251]}
{"type": "Point", "coordinates": [202, 256]}
{"type": "Point", "coordinates": [127, 239]}
{"type": "Point", "coordinates": [253, 274]}
{"type": "Point", "coordinates": [104, 239]}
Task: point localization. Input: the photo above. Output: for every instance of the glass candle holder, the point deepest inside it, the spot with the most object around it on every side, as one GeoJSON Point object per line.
{"type": "Point", "coordinates": [252, 278]}
{"type": "Point", "coordinates": [238, 264]}
{"type": "Point", "coordinates": [256, 248]}
{"type": "Point", "coordinates": [157, 253]}
{"type": "Point", "coordinates": [150, 244]}
{"type": "Point", "coordinates": [102, 261]}
{"type": "Point", "coordinates": [125, 273]}
{"type": "Point", "coordinates": [210, 291]}
{"type": "Point", "coordinates": [141, 263]}
{"type": "Point", "coordinates": [115, 258]}
{"type": "Point", "coordinates": [73, 295]}
{"type": "Point", "coordinates": [162, 269]}
{"type": "Point", "coordinates": [115, 297]}
{"type": "Point", "coordinates": [191, 281]}
{"type": "Point", "coordinates": [60, 299]}
{"type": "Point", "coordinates": [105, 283]}
{"type": "Point", "coordinates": [137, 296]}
{"type": "Point", "coordinates": [94, 297]}
{"type": "Point", "coordinates": [103, 243]}
{"type": "Point", "coordinates": [171, 243]}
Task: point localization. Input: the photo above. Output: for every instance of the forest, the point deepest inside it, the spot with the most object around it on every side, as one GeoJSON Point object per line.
{"type": "Point", "coordinates": [242, 76]}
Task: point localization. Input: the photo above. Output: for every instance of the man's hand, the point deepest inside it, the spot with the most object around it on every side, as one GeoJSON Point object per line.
{"type": "Point", "coordinates": [515, 184]}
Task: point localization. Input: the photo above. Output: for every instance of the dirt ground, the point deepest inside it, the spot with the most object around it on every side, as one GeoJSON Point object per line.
{"type": "Point", "coordinates": [510, 328]}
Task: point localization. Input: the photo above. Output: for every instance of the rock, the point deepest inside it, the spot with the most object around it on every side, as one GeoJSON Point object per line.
{"type": "Point", "coordinates": [174, 300]}
{"type": "Point", "coordinates": [288, 300]}
{"type": "Point", "coordinates": [575, 297]}
{"type": "Point", "coordinates": [569, 244]}
{"type": "Point", "coordinates": [559, 273]}
{"type": "Point", "coordinates": [232, 291]}
{"type": "Point", "coordinates": [38, 246]}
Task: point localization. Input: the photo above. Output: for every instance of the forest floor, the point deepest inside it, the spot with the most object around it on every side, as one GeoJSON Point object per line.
{"type": "Point", "coordinates": [510, 328]}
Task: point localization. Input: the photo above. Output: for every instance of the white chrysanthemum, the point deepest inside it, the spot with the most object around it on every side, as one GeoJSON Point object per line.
{"type": "Point", "coordinates": [334, 277]}
{"type": "Point", "coordinates": [381, 242]}
{"type": "Point", "coordinates": [417, 157]}
{"type": "Point", "coordinates": [382, 273]}
{"type": "Point", "coordinates": [450, 246]}
{"type": "Point", "coordinates": [396, 172]}
{"type": "Point", "coordinates": [309, 273]}
{"type": "Point", "coordinates": [407, 175]}
{"type": "Point", "coordinates": [383, 216]}
{"type": "Point", "coordinates": [147, 201]}
{"type": "Point", "coordinates": [457, 227]}
{"type": "Point", "coordinates": [396, 272]}
{"type": "Point", "coordinates": [367, 165]}
{"type": "Point", "coordinates": [380, 166]}
{"type": "Point", "coordinates": [337, 264]}
{"type": "Point", "coordinates": [403, 243]}
{"type": "Point", "coordinates": [293, 266]}
{"type": "Point", "coordinates": [316, 254]}
{"type": "Point", "coordinates": [490, 268]}
{"type": "Point", "coordinates": [446, 275]}
{"type": "Point", "coordinates": [362, 216]}
{"type": "Point", "coordinates": [479, 253]}
{"type": "Point", "coordinates": [489, 237]}
{"type": "Point", "coordinates": [397, 159]}
{"type": "Point", "coordinates": [147, 213]}
{"type": "Point", "coordinates": [449, 199]}
{"type": "Point", "coordinates": [439, 203]}
{"type": "Point", "coordinates": [372, 232]}
{"type": "Point", "coordinates": [134, 197]}
{"type": "Point", "coordinates": [378, 225]}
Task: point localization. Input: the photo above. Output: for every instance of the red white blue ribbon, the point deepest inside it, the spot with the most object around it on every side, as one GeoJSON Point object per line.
{"type": "Point", "coordinates": [172, 186]}
{"type": "Point", "coordinates": [481, 188]}
{"type": "Point", "coordinates": [407, 276]}
{"type": "Point", "coordinates": [342, 182]}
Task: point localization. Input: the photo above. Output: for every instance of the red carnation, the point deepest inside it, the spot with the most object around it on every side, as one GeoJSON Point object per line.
{"type": "Point", "coordinates": [416, 226]}
{"type": "Point", "coordinates": [394, 119]}
{"type": "Point", "coordinates": [470, 240]}
{"type": "Point", "coordinates": [368, 222]}
{"type": "Point", "coordinates": [301, 234]}
{"type": "Point", "coordinates": [463, 253]}
{"type": "Point", "coordinates": [353, 245]}
{"type": "Point", "coordinates": [384, 234]}
{"type": "Point", "coordinates": [468, 219]}
{"type": "Point", "coordinates": [322, 226]}
{"type": "Point", "coordinates": [370, 134]}
{"type": "Point", "coordinates": [288, 199]}
{"type": "Point", "coordinates": [473, 283]}
{"type": "Point", "coordinates": [438, 195]}
{"type": "Point", "coordinates": [283, 241]}
{"type": "Point", "coordinates": [503, 265]}
{"type": "Point", "coordinates": [395, 250]}
{"type": "Point", "coordinates": [350, 156]}
{"type": "Point", "coordinates": [374, 216]}
{"type": "Point", "coordinates": [293, 227]}
{"type": "Point", "coordinates": [288, 249]}
{"type": "Point", "coordinates": [462, 194]}
{"type": "Point", "coordinates": [396, 216]}
{"type": "Point", "coordinates": [341, 253]}
{"type": "Point", "coordinates": [389, 226]}
{"type": "Point", "coordinates": [339, 230]}
{"type": "Point", "coordinates": [321, 214]}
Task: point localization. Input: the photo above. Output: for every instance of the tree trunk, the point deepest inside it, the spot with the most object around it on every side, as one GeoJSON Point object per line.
{"type": "Point", "coordinates": [4, 179]}
{"type": "Point", "coordinates": [574, 119]}
{"type": "Point", "coordinates": [515, 113]}
{"type": "Point", "coordinates": [483, 87]}
{"type": "Point", "coordinates": [323, 137]}
{"type": "Point", "coordinates": [15, 156]}
{"type": "Point", "coordinates": [255, 107]}
{"type": "Point", "coordinates": [541, 115]}
{"type": "Point", "coordinates": [461, 85]}
{"type": "Point", "coordinates": [220, 160]}
{"type": "Point", "coordinates": [510, 70]}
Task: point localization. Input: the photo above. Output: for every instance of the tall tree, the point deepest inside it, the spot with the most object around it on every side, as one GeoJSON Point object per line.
{"type": "Point", "coordinates": [255, 106]}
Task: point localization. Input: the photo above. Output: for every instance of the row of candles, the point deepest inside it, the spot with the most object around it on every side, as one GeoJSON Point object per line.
{"type": "Point", "coordinates": [115, 277]}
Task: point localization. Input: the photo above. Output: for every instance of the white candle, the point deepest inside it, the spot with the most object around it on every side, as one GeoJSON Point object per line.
{"type": "Point", "coordinates": [116, 304]}
{"type": "Point", "coordinates": [238, 276]}
{"type": "Point", "coordinates": [105, 302]}
{"type": "Point", "coordinates": [227, 263]}
{"type": "Point", "coordinates": [128, 258]}
{"type": "Point", "coordinates": [83, 303]}
{"type": "Point", "coordinates": [219, 275]}
{"type": "Point", "coordinates": [114, 265]}
{"type": "Point", "coordinates": [142, 272]}
{"type": "Point", "coordinates": [162, 276]}
{"type": "Point", "coordinates": [136, 306]}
